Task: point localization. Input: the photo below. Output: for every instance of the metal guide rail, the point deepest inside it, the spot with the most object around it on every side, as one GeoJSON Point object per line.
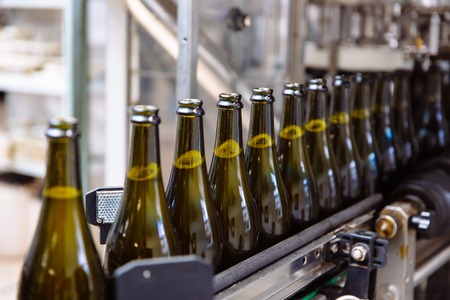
{"type": "Point", "coordinates": [281, 271]}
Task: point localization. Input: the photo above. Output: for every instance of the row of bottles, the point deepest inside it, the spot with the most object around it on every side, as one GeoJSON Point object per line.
{"type": "Point", "coordinates": [327, 155]}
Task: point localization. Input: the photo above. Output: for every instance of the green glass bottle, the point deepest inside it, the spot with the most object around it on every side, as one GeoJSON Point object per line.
{"type": "Point", "coordinates": [320, 151]}
{"type": "Point", "coordinates": [432, 130]}
{"type": "Point", "coordinates": [263, 170]}
{"type": "Point", "coordinates": [403, 120]}
{"type": "Point", "coordinates": [189, 192]}
{"type": "Point", "coordinates": [343, 142]}
{"type": "Point", "coordinates": [385, 136]}
{"type": "Point", "coordinates": [229, 184]}
{"type": "Point", "coordinates": [294, 162]}
{"type": "Point", "coordinates": [445, 71]}
{"type": "Point", "coordinates": [142, 228]}
{"type": "Point", "coordinates": [363, 133]}
{"type": "Point", "coordinates": [417, 86]}
{"type": "Point", "coordinates": [62, 262]}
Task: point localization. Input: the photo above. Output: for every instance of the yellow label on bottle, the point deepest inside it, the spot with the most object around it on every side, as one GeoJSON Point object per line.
{"type": "Point", "coordinates": [340, 118]}
{"type": "Point", "coordinates": [401, 106]}
{"type": "Point", "coordinates": [140, 173]}
{"type": "Point", "coordinates": [228, 149]}
{"type": "Point", "coordinates": [262, 140]}
{"type": "Point", "coordinates": [361, 113]}
{"type": "Point", "coordinates": [291, 132]}
{"type": "Point", "coordinates": [189, 160]}
{"type": "Point", "coordinates": [61, 192]}
{"type": "Point", "coordinates": [380, 109]}
{"type": "Point", "coordinates": [316, 125]}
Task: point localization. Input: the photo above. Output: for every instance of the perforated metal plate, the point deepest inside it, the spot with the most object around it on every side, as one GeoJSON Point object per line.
{"type": "Point", "coordinates": [108, 203]}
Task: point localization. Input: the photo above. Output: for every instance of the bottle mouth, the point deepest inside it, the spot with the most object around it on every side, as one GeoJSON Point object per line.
{"type": "Point", "coordinates": [262, 94]}
{"type": "Point", "coordinates": [190, 107]}
{"type": "Point", "coordinates": [361, 78]}
{"type": "Point", "coordinates": [341, 80]}
{"type": "Point", "coordinates": [230, 100]}
{"type": "Point", "coordinates": [293, 88]}
{"type": "Point", "coordinates": [317, 84]}
{"type": "Point", "coordinates": [59, 127]}
{"type": "Point", "coordinates": [145, 114]}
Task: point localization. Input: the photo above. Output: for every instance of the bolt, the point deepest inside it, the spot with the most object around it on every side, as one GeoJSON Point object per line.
{"type": "Point", "coordinates": [359, 252]}
{"type": "Point", "coordinates": [334, 249]}
{"type": "Point", "coordinates": [386, 226]}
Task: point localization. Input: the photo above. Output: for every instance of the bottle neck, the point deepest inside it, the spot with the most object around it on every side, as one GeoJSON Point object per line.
{"type": "Point", "coordinates": [189, 147]}
{"type": "Point", "coordinates": [360, 100]}
{"type": "Point", "coordinates": [261, 125]}
{"type": "Point", "coordinates": [382, 96]}
{"type": "Point", "coordinates": [434, 87]}
{"type": "Point", "coordinates": [316, 111]}
{"type": "Point", "coordinates": [292, 112]}
{"type": "Point", "coordinates": [402, 92]}
{"type": "Point", "coordinates": [62, 165]}
{"type": "Point", "coordinates": [144, 160]}
{"type": "Point", "coordinates": [339, 111]}
{"type": "Point", "coordinates": [228, 142]}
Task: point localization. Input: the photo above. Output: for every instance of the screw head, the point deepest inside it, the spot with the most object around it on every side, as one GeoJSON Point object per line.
{"type": "Point", "coordinates": [359, 252]}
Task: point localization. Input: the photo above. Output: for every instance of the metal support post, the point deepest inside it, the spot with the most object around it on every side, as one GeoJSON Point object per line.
{"type": "Point", "coordinates": [187, 42]}
{"type": "Point", "coordinates": [76, 56]}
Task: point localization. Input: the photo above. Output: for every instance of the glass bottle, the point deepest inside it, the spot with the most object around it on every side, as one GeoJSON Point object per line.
{"type": "Point", "coordinates": [188, 193]}
{"type": "Point", "coordinates": [444, 65]}
{"type": "Point", "coordinates": [294, 162]}
{"type": "Point", "coordinates": [417, 91]}
{"type": "Point", "coordinates": [363, 132]}
{"type": "Point", "coordinates": [229, 184]}
{"type": "Point", "coordinates": [432, 130]}
{"type": "Point", "coordinates": [62, 261]}
{"type": "Point", "coordinates": [142, 228]}
{"type": "Point", "coordinates": [385, 136]}
{"type": "Point", "coordinates": [403, 121]}
{"type": "Point", "coordinates": [263, 170]}
{"type": "Point", "coordinates": [343, 142]}
{"type": "Point", "coordinates": [320, 151]}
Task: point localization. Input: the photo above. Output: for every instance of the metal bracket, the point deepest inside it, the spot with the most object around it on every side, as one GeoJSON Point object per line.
{"type": "Point", "coordinates": [365, 252]}
{"type": "Point", "coordinates": [102, 205]}
{"type": "Point", "coordinates": [178, 277]}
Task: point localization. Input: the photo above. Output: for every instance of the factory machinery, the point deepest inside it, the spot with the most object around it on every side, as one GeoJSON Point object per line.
{"type": "Point", "coordinates": [394, 246]}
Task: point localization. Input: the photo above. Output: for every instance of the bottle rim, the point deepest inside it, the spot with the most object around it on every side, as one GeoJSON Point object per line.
{"type": "Point", "coordinates": [361, 78]}
{"type": "Point", "coordinates": [59, 127]}
{"type": "Point", "coordinates": [190, 107]}
{"type": "Point", "coordinates": [317, 84]}
{"type": "Point", "coordinates": [230, 100]}
{"type": "Point", "coordinates": [293, 88]}
{"type": "Point", "coordinates": [145, 114]}
{"type": "Point", "coordinates": [262, 94]}
{"type": "Point", "coordinates": [341, 80]}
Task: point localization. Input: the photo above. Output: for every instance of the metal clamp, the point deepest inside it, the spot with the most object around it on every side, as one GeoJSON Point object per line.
{"type": "Point", "coordinates": [365, 252]}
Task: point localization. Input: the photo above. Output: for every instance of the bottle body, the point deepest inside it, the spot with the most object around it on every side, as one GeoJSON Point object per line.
{"type": "Point", "coordinates": [62, 261]}
{"type": "Point", "coordinates": [295, 166]}
{"type": "Point", "coordinates": [229, 185]}
{"type": "Point", "coordinates": [385, 136]}
{"type": "Point", "coordinates": [188, 193]}
{"type": "Point", "coordinates": [320, 152]}
{"type": "Point", "coordinates": [343, 142]}
{"type": "Point", "coordinates": [403, 121]}
{"type": "Point", "coordinates": [263, 171]}
{"type": "Point", "coordinates": [363, 133]}
{"type": "Point", "coordinates": [432, 130]}
{"type": "Point", "coordinates": [142, 228]}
